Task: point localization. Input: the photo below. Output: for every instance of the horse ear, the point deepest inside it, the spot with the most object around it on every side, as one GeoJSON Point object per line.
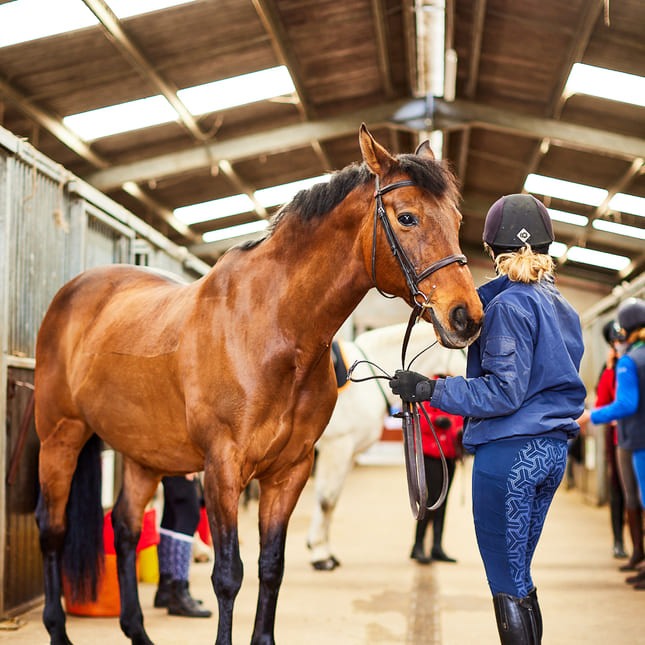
{"type": "Point", "coordinates": [377, 158]}
{"type": "Point", "coordinates": [424, 150]}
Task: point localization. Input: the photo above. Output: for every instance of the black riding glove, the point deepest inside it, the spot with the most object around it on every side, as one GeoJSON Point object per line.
{"type": "Point", "coordinates": [412, 386]}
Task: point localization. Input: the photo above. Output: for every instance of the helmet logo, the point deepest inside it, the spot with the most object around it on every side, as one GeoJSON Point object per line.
{"type": "Point", "coordinates": [523, 235]}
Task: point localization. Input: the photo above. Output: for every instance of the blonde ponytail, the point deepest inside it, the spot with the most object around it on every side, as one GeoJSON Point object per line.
{"type": "Point", "coordinates": [523, 265]}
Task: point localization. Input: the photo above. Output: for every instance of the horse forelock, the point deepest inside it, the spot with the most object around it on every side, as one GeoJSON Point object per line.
{"type": "Point", "coordinates": [430, 175]}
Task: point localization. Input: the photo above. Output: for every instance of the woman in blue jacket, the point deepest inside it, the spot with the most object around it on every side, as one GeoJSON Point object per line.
{"type": "Point", "coordinates": [520, 399]}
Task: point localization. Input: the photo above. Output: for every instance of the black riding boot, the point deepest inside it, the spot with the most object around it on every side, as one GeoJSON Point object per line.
{"type": "Point", "coordinates": [537, 613]}
{"type": "Point", "coordinates": [418, 552]}
{"type": "Point", "coordinates": [437, 552]}
{"type": "Point", "coordinates": [516, 620]}
{"type": "Point", "coordinates": [183, 604]}
{"type": "Point", "coordinates": [164, 590]}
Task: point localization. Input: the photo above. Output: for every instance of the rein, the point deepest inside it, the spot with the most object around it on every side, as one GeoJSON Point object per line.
{"type": "Point", "coordinates": [410, 419]}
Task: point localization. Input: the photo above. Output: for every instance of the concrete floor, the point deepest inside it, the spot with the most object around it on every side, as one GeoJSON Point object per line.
{"type": "Point", "coordinates": [381, 597]}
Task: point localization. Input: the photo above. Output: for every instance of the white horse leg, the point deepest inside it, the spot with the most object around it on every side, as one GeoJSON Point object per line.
{"type": "Point", "coordinates": [335, 460]}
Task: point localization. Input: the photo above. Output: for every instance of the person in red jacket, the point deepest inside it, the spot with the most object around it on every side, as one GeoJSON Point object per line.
{"type": "Point", "coordinates": [449, 429]}
{"type": "Point", "coordinates": [605, 394]}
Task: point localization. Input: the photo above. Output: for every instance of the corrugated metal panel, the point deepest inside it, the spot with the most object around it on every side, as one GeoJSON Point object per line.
{"type": "Point", "coordinates": [39, 246]}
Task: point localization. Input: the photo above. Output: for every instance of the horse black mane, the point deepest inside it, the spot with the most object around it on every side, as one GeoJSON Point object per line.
{"type": "Point", "coordinates": [321, 198]}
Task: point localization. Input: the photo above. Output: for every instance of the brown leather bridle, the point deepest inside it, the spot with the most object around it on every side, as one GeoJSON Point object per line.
{"type": "Point", "coordinates": [412, 278]}
{"type": "Point", "coordinates": [411, 426]}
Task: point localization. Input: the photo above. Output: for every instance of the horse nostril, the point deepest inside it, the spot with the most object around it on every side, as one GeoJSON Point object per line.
{"type": "Point", "coordinates": [460, 319]}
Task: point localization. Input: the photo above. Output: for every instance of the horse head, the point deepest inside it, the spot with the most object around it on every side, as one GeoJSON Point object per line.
{"type": "Point", "coordinates": [412, 249]}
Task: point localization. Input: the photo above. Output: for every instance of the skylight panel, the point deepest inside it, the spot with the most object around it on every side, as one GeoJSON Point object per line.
{"type": "Point", "coordinates": [567, 218]}
{"type": "Point", "coordinates": [155, 110]}
{"type": "Point", "coordinates": [214, 209]}
{"type": "Point", "coordinates": [597, 258]}
{"type": "Point", "coordinates": [235, 231]}
{"type": "Point", "coordinates": [25, 20]}
{"type": "Point", "coordinates": [238, 90]}
{"type": "Point", "coordinates": [628, 204]}
{"type": "Point", "coordinates": [115, 119]}
{"type": "Point", "coordinates": [606, 84]}
{"type": "Point", "coordinates": [619, 229]}
{"type": "Point", "coordinates": [567, 190]}
{"type": "Point", "coordinates": [557, 249]}
{"type": "Point", "coordinates": [277, 195]}
{"type": "Point", "coordinates": [127, 8]}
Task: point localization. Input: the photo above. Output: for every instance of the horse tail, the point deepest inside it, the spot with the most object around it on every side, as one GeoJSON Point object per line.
{"type": "Point", "coordinates": [83, 548]}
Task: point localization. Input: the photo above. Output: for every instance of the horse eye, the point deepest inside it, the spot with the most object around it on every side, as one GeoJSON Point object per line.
{"type": "Point", "coordinates": [407, 219]}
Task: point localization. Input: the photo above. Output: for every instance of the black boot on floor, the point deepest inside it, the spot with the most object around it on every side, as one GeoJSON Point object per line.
{"type": "Point", "coordinates": [418, 555]}
{"type": "Point", "coordinates": [516, 620]}
{"type": "Point", "coordinates": [183, 604]}
{"type": "Point", "coordinates": [164, 590]}
{"type": "Point", "coordinates": [440, 555]}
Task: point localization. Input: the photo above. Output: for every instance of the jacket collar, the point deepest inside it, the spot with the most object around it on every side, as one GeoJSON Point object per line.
{"type": "Point", "coordinates": [493, 288]}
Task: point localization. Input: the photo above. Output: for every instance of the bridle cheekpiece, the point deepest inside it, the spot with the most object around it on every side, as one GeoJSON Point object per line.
{"type": "Point", "coordinates": [412, 278]}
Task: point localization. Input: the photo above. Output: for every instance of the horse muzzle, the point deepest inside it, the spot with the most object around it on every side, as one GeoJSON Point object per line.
{"type": "Point", "coordinates": [462, 328]}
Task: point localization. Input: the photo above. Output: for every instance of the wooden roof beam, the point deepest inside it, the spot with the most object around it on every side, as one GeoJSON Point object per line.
{"type": "Point", "coordinates": [447, 115]}
{"type": "Point", "coordinates": [112, 26]}
{"type": "Point", "coordinates": [53, 124]}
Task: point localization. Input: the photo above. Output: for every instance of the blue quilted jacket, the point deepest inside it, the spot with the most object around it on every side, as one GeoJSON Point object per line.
{"type": "Point", "coordinates": [522, 374]}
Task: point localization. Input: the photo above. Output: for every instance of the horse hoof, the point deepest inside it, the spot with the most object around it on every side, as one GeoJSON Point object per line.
{"type": "Point", "coordinates": [326, 565]}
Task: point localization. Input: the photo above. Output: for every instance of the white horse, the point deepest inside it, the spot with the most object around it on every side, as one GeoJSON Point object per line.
{"type": "Point", "coordinates": [357, 420]}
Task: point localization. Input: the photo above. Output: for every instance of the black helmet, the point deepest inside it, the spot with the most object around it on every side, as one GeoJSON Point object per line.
{"type": "Point", "coordinates": [612, 332]}
{"type": "Point", "coordinates": [631, 314]}
{"type": "Point", "coordinates": [514, 221]}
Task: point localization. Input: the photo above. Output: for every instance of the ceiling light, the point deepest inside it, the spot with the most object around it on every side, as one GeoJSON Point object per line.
{"type": "Point", "coordinates": [235, 231]}
{"type": "Point", "coordinates": [25, 20]}
{"type": "Point", "coordinates": [606, 84]}
{"type": "Point", "coordinates": [567, 218]}
{"type": "Point", "coordinates": [239, 90]}
{"type": "Point", "coordinates": [619, 229]}
{"type": "Point", "coordinates": [214, 209]}
{"type": "Point", "coordinates": [567, 190]}
{"type": "Point", "coordinates": [277, 195]}
{"type": "Point", "coordinates": [154, 110]}
{"type": "Point", "coordinates": [557, 249]}
{"type": "Point", "coordinates": [123, 117]}
{"type": "Point", "coordinates": [628, 204]}
{"type": "Point", "coordinates": [597, 258]}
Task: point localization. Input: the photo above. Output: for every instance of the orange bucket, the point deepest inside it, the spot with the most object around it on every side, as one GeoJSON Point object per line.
{"type": "Point", "coordinates": [108, 601]}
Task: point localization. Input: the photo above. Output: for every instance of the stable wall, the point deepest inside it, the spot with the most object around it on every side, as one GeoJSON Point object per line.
{"type": "Point", "coordinates": [52, 226]}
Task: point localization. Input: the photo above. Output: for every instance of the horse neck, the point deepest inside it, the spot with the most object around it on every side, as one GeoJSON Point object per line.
{"type": "Point", "coordinates": [308, 275]}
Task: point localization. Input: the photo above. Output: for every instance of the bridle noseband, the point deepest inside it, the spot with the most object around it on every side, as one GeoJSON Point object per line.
{"type": "Point", "coordinates": [411, 276]}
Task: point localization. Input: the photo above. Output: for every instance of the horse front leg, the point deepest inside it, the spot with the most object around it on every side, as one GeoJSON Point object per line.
{"type": "Point", "coordinates": [278, 497]}
{"type": "Point", "coordinates": [222, 489]}
{"type": "Point", "coordinates": [139, 485]}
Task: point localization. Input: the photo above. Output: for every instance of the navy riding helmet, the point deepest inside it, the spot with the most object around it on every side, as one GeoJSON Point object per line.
{"type": "Point", "coordinates": [631, 314]}
{"type": "Point", "coordinates": [514, 221]}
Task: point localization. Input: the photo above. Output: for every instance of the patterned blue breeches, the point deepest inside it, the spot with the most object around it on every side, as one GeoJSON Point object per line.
{"type": "Point", "coordinates": [514, 482]}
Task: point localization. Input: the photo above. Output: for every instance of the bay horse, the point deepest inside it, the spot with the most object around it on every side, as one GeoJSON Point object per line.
{"type": "Point", "coordinates": [230, 374]}
{"type": "Point", "coordinates": [357, 420]}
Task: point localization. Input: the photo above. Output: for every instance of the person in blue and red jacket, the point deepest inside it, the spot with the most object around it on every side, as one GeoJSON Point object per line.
{"type": "Point", "coordinates": [449, 429]}
{"type": "Point", "coordinates": [520, 399]}
{"type": "Point", "coordinates": [628, 408]}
